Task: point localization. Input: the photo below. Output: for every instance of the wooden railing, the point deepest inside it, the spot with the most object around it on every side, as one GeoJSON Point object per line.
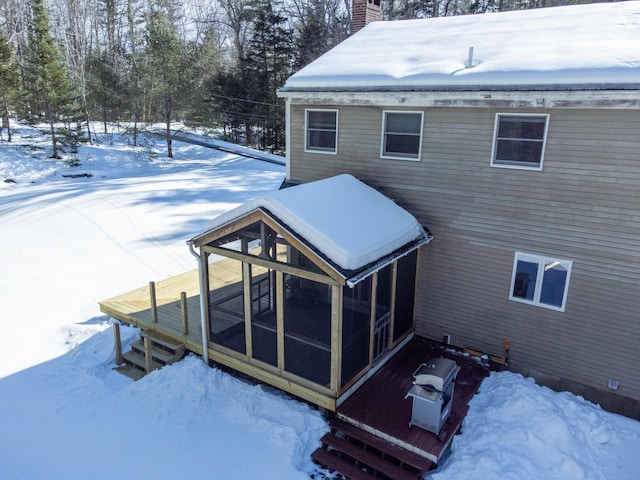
{"type": "Point", "coordinates": [154, 314]}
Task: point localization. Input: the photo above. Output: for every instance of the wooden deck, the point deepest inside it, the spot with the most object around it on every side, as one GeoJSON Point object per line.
{"type": "Point", "coordinates": [379, 406]}
{"type": "Point", "coordinates": [134, 308]}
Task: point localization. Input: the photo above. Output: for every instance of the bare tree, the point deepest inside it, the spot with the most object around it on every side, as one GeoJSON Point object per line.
{"type": "Point", "coordinates": [75, 20]}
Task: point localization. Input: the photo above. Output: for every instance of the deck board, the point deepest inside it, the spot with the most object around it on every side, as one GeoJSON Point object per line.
{"type": "Point", "coordinates": [134, 307]}
{"type": "Point", "coordinates": [379, 406]}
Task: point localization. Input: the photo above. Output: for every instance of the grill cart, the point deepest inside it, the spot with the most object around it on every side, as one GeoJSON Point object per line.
{"type": "Point", "coordinates": [432, 393]}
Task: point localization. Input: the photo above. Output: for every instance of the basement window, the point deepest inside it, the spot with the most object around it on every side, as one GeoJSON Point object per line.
{"type": "Point", "coordinates": [540, 280]}
{"type": "Point", "coordinates": [321, 131]}
{"type": "Point", "coordinates": [519, 141]}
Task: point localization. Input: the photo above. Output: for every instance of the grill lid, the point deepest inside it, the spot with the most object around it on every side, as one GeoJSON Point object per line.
{"type": "Point", "coordinates": [436, 373]}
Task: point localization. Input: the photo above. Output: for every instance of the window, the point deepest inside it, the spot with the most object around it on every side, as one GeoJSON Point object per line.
{"type": "Point", "coordinates": [322, 131]}
{"type": "Point", "coordinates": [519, 141]}
{"type": "Point", "coordinates": [402, 135]}
{"type": "Point", "coordinates": [540, 280]}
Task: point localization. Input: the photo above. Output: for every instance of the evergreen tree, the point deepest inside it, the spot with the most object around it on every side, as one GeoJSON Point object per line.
{"type": "Point", "coordinates": [320, 26]}
{"type": "Point", "coordinates": [107, 74]}
{"type": "Point", "coordinates": [269, 63]}
{"type": "Point", "coordinates": [166, 69]}
{"type": "Point", "coordinates": [228, 94]}
{"type": "Point", "coordinates": [9, 82]}
{"type": "Point", "coordinates": [47, 94]}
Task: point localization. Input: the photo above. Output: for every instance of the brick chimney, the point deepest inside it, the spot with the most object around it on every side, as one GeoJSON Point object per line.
{"type": "Point", "coordinates": [364, 12]}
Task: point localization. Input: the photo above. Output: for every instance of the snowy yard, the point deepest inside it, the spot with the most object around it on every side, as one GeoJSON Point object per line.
{"type": "Point", "coordinates": [67, 243]}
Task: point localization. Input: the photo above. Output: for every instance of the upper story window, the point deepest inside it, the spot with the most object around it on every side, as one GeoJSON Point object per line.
{"type": "Point", "coordinates": [540, 280]}
{"type": "Point", "coordinates": [321, 131]}
{"type": "Point", "coordinates": [402, 135]}
{"type": "Point", "coordinates": [519, 141]}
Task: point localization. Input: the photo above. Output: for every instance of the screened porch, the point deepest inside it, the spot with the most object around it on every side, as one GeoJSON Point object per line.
{"type": "Point", "coordinates": [287, 314]}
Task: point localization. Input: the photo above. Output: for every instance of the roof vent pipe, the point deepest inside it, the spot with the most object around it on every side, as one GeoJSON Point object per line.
{"type": "Point", "coordinates": [470, 59]}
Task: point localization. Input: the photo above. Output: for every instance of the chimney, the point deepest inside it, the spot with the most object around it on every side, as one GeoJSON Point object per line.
{"type": "Point", "coordinates": [364, 12]}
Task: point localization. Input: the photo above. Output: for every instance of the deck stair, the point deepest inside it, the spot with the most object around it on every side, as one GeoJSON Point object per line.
{"type": "Point", "coordinates": [164, 351]}
{"type": "Point", "coordinates": [359, 455]}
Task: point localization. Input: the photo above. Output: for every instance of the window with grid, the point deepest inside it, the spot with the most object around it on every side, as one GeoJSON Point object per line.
{"type": "Point", "coordinates": [402, 135]}
{"type": "Point", "coordinates": [519, 141]}
{"type": "Point", "coordinates": [321, 131]}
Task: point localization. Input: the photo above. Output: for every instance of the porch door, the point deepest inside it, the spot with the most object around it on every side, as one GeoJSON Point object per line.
{"type": "Point", "coordinates": [264, 344]}
{"type": "Point", "coordinates": [382, 314]}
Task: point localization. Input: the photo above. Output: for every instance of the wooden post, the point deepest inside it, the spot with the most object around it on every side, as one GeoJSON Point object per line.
{"type": "Point", "coordinates": [372, 318]}
{"type": "Point", "coordinates": [246, 292]}
{"type": "Point", "coordinates": [185, 314]}
{"type": "Point", "coordinates": [116, 337]}
{"type": "Point", "coordinates": [336, 338]}
{"type": "Point", "coordinates": [154, 305]}
{"type": "Point", "coordinates": [147, 354]}
{"type": "Point", "coordinates": [280, 319]}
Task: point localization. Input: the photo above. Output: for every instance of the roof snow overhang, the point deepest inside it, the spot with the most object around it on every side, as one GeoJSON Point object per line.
{"type": "Point", "coordinates": [503, 56]}
{"type": "Point", "coordinates": [526, 97]}
{"type": "Point", "coordinates": [348, 228]}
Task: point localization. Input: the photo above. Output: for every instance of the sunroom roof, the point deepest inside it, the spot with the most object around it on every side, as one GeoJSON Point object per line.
{"type": "Point", "coordinates": [345, 220]}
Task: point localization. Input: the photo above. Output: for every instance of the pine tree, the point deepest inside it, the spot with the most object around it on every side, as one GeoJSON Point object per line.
{"type": "Point", "coordinates": [268, 64]}
{"type": "Point", "coordinates": [47, 94]}
{"type": "Point", "coordinates": [320, 26]}
{"type": "Point", "coordinates": [9, 82]}
{"type": "Point", "coordinates": [166, 69]}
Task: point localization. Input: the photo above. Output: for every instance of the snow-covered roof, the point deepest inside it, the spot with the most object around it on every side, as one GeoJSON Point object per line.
{"type": "Point", "coordinates": [348, 222]}
{"type": "Point", "coordinates": [583, 46]}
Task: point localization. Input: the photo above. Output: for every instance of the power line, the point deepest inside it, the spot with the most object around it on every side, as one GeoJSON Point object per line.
{"type": "Point", "coordinates": [248, 101]}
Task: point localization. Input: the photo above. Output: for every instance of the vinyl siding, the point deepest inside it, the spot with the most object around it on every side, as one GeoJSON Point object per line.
{"type": "Point", "coordinates": [583, 206]}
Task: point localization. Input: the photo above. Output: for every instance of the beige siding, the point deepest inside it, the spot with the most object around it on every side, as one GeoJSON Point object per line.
{"type": "Point", "coordinates": [584, 206]}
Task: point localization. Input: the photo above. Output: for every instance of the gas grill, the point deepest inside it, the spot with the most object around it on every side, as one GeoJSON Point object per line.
{"type": "Point", "coordinates": [432, 393]}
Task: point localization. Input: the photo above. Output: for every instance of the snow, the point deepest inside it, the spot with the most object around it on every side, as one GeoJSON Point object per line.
{"type": "Point", "coordinates": [516, 429]}
{"type": "Point", "coordinates": [67, 243]}
{"type": "Point", "coordinates": [371, 227]}
{"type": "Point", "coordinates": [594, 44]}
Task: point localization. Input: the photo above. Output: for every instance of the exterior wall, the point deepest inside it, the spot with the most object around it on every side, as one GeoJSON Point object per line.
{"type": "Point", "coordinates": [583, 206]}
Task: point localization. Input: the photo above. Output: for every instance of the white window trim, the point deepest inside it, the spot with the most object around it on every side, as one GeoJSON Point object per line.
{"type": "Point", "coordinates": [384, 124]}
{"type": "Point", "coordinates": [495, 140]}
{"type": "Point", "coordinates": [541, 260]}
{"type": "Point", "coordinates": [306, 131]}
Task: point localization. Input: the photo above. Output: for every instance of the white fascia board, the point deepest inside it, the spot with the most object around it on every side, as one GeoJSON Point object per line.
{"type": "Point", "coordinates": [542, 99]}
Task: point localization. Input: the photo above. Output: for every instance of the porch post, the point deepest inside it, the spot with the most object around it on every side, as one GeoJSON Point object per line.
{"type": "Point", "coordinates": [280, 318]}
{"type": "Point", "coordinates": [372, 318]}
{"type": "Point", "coordinates": [392, 309]}
{"type": "Point", "coordinates": [203, 275]}
{"type": "Point", "coordinates": [336, 338]}
{"type": "Point", "coordinates": [246, 292]}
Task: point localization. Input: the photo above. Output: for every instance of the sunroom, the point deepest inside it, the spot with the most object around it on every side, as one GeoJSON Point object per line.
{"type": "Point", "coordinates": [320, 286]}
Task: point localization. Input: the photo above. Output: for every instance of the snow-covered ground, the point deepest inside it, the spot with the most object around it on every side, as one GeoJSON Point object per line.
{"type": "Point", "coordinates": [67, 243]}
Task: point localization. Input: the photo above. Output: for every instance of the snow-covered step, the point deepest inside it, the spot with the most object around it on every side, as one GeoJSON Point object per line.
{"type": "Point", "coordinates": [162, 351]}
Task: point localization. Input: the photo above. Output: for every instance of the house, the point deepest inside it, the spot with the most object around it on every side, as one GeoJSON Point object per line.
{"type": "Point", "coordinates": [311, 289]}
{"type": "Point", "coordinates": [514, 137]}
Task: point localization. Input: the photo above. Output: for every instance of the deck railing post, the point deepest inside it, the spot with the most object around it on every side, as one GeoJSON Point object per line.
{"type": "Point", "coordinates": [147, 354]}
{"type": "Point", "coordinates": [154, 305]}
{"type": "Point", "coordinates": [116, 337]}
{"type": "Point", "coordinates": [185, 315]}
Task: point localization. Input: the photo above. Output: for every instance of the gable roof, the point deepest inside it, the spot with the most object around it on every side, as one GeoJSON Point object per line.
{"type": "Point", "coordinates": [593, 46]}
{"type": "Point", "coordinates": [349, 223]}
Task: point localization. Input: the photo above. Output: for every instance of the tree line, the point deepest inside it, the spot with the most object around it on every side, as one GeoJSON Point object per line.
{"type": "Point", "coordinates": [211, 63]}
